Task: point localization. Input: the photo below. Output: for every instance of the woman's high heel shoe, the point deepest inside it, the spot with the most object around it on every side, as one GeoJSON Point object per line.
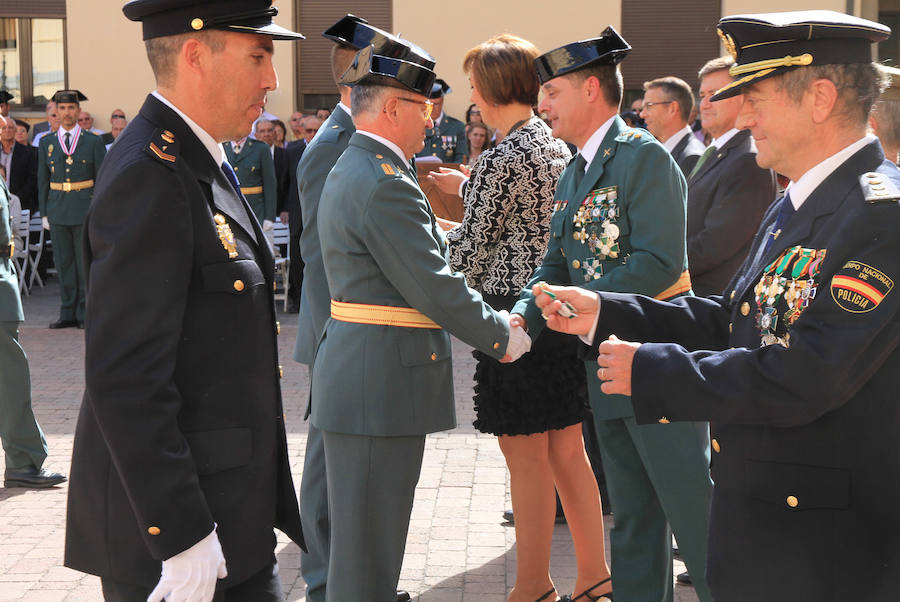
{"type": "Point", "coordinates": [608, 597]}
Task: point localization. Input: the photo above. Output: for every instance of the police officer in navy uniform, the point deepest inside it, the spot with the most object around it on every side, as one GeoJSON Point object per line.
{"type": "Point", "coordinates": [68, 163]}
{"type": "Point", "coordinates": [797, 366]}
{"type": "Point", "coordinates": [180, 455]}
{"type": "Point", "coordinates": [447, 139]}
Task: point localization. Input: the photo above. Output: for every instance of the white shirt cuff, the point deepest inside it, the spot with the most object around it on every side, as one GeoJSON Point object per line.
{"type": "Point", "coordinates": [588, 338]}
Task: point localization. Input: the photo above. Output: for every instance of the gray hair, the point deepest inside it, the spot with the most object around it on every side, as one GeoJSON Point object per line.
{"type": "Point", "coordinates": [368, 99]}
{"type": "Point", "coordinates": [858, 85]}
{"type": "Point", "coordinates": [887, 117]}
{"type": "Point", "coordinates": [722, 63]}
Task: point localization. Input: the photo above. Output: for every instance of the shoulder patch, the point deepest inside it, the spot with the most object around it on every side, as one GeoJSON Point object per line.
{"type": "Point", "coordinates": [163, 146]}
{"type": "Point", "coordinates": [388, 169]}
{"type": "Point", "coordinates": [878, 188]}
{"type": "Point", "coordinates": [859, 288]}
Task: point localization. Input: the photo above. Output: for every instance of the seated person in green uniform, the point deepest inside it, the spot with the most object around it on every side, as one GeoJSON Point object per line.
{"type": "Point", "coordinates": [446, 140]}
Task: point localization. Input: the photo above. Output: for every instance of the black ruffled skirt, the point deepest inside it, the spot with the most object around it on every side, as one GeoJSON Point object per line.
{"type": "Point", "coordinates": [545, 389]}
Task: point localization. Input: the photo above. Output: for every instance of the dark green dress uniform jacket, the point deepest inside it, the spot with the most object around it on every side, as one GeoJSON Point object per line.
{"type": "Point", "coordinates": [60, 207]}
{"type": "Point", "coordinates": [254, 168]}
{"type": "Point", "coordinates": [317, 160]}
{"type": "Point", "coordinates": [181, 425]}
{"type": "Point", "coordinates": [806, 431]}
{"type": "Point", "coordinates": [447, 142]}
{"type": "Point", "coordinates": [10, 300]}
{"type": "Point", "coordinates": [381, 245]}
{"type": "Point", "coordinates": [622, 229]}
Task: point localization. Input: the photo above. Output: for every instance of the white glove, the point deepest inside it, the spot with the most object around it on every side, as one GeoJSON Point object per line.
{"type": "Point", "coordinates": [190, 576]}
{"type": "Point", "coordinates": [267, 225]}
{"type": "Point", "coordinates": [45, 223]}
{"type": "Point", "coordinates": [519, 342]}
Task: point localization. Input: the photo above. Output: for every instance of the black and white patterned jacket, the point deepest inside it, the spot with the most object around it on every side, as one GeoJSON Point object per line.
{"type": "Point", "coordinates": [508, 205]}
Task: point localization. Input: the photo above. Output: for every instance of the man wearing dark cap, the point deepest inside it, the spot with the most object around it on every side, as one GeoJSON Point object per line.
{"type": "Point", "coordinates": [620, 226]}
{"type": "Point", "coordinates": [349, 34]}
{"type": "Point", "coordinates": [68, 163]}
{"type": "Point", "coordinates": [5, 97]}
{"type": "Point", "coordinates": [382, 377]}
{"type": "Point", "coordinates": [797, 367]}
{"type": "Point", "coordinates": [447, 139]}
{"type": "Point", "coordinates": [180, 456]}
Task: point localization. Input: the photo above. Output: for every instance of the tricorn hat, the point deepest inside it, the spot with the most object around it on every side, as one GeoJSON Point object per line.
{"type": "Point", "coordinates": [356, 33]}
{"type": "Point", "coordinates": [369, 68]}
{"type": "Point", "coordinates": [68, 96]}
{"type": "Point", "coordinates": [610, 48]}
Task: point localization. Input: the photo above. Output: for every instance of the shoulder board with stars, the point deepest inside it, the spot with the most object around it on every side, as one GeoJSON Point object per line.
{"type": "Point", "coordinates": [878, 188]}
{"type": "Point", "coordinates": [631, 135]}
{"type": "Point", "coordinates": [163, 146]}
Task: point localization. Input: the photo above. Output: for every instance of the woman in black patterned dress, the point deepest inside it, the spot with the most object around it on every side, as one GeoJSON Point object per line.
{"type": "Point", "coordinates": [535, 406]}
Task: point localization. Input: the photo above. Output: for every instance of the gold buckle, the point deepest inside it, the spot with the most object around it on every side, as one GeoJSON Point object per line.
{"type": "Point", "coordinates": [67, 186]}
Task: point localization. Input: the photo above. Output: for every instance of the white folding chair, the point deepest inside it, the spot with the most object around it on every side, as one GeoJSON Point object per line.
{"type": "Point", "coordinates": [35, 249]}
{"type": "Point", "coordinates": [280, 235]}
{"type": "Point", "coordinates": [20, 256]}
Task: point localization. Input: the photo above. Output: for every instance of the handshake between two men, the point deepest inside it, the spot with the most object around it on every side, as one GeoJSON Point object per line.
{"type": "Point", "coordinates": [574, 310]}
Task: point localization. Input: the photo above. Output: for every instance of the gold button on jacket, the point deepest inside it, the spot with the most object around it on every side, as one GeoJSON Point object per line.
{"type": "Point", "coordinates": [664, 420]}
{"type": "Point", "coordinates": [792, 501]}
{"type": "Point", "coordinates": [715, 446]}
{"type": "Point", "coordinates": [745, 309]}
{"type": "Point", "coordinates": [153, 531]}
{"type": "Point", "coordinates": [238, 285]}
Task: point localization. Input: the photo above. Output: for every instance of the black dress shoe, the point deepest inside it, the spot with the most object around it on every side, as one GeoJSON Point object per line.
{"type": "Point", "coordinates": [403, 596]}
{"type": "Point", "coordinates": [508, 517]}
{"type": "Point", "coordinates": [684, 578]}
{"type": "Point", "coordinates": [32, 477]}
{"type": "Point", "coordinates": [64, 324]}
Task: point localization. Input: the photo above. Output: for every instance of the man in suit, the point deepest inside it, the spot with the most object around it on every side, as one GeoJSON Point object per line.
{"type": "Point", "coordinates": [68, 163]}
{"type": "Point", "coordinates": [620, 226]}
{"type": "Point", "coordinates": [20, 162]}
{"type": "Point", "coordinates": [291, 215]}
{"type": "Point", "coordinates": [447, 139]}
{"type": "Point", "coordinates": [23, 441]}
{"type": "Point", "coordinates": [728, 193]}
{"type": "Point", "coordinates": [116, 118]}
{"type": "Point", "coordinates": [180, 456]}
{"type": "Point", "coordinates": [797, 366]}
{"type": "Point", "coordinates": [255, 169]}
{"type": "Point", "coordinates": [45, 126]}
{"type": "Point", "coordinates": [265, 133]}
{"type": "Point", "coordinates": [382, 377]}
{"type": "Point", "coordinates": [349, 34]}
{"type": "Point", "coordinates": [666, 110]}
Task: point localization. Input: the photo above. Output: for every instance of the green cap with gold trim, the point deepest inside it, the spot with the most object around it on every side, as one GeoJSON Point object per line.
{"type": "Point", "coordinates": [765, 45]}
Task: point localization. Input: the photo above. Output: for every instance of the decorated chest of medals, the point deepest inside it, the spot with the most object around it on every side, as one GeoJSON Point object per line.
{"type": "Point", "coordinates": [595, 225]}
{"type": "Point", "coordinates": [784, 291]}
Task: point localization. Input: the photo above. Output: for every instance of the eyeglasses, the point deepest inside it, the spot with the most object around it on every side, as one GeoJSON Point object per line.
{"type": "Point", "coordinates": [117, 116]}
{"type": "Point", "coordinates": [428, 105]}
{"type": "Point", "coordinates": [311, 130]}
{"type": "Point", "coordinates": [647, 105]}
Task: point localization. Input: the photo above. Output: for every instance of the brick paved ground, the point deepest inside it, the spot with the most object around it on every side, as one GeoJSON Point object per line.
{"type": "Point", "coordinates": [458, 547]}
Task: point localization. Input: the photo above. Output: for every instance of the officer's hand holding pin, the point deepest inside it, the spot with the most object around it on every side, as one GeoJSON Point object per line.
{"type": "Point", "coordinates": [568, 309]}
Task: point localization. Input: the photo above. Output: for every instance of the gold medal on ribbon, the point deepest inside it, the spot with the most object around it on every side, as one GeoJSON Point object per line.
{"type": "Point", "coordinates": [226, 236]}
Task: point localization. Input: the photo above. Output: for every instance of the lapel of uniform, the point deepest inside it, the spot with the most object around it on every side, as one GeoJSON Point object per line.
{"type": "Point", "coordinates": [605, 152]}
{"type": "Point", "coordinates": [825, 200]}
{"type": "Point", "coordinates": [201, 163]}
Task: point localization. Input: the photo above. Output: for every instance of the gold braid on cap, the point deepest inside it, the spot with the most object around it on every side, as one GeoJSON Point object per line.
{"type": "Point", "coordinates": [788, 61]}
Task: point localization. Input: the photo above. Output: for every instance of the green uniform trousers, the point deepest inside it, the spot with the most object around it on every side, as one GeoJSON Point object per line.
{"type": "Point", "coordinates": [23, 440]}
{"type": "Point", "coordinates": [371, 484]}
{"type": "Point", "coordinates": [314, 516]}
{"type": "Point", "coordinates": [647, 482]}
{"type": "Point", "coordinates": [67, 255]}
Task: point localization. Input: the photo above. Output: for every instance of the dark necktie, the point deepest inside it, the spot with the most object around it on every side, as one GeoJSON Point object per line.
{"type": "Point", "coordinates": [579, 169]}
{"type": "Point", "coordinates": [232, 178]}
{"type": "Point", "coordinates": [67, 140]}
{"type": "Point", "coordinates": [784, 214]}
{"type": "Point", "coordinates": [710, 150]}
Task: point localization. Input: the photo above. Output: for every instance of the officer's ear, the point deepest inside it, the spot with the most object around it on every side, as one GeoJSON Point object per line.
{"type": "Point", "coordinates": [391, 107]}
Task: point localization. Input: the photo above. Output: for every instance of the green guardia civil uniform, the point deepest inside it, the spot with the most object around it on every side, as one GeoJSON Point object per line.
{"type": "Point", "coordinates": [621, 227]}
{"type": "Point", "coordinates": [383, 376]}
{"type": "Point", "coordinates": [255, 170]}
{"type": "Point", "coordinates": [65, 189]}
{"type": "Point", "coordinates": [23, 442]}
{"type": "Point", "coordinates": [446, 141]}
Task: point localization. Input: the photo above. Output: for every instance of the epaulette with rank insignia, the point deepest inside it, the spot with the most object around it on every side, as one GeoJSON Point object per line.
{"type": "Point", "coordinates": [163, 146]}
{"type": "Point", "coordinates": [878, 188]}
{"type": "Point", "coordinates": [387, 167]}
{"type": "Point", "coordinates": [330, 134]}
{"type": "Point", "coordinates": [632, 135]}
